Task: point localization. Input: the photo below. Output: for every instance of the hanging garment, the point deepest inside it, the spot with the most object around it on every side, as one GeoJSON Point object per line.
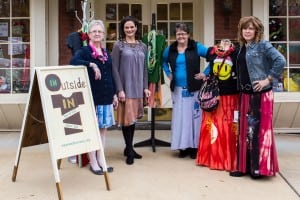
{"type": "Point", "coordinates": [156, 45]}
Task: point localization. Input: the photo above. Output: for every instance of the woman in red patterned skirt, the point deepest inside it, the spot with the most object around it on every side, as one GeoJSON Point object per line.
{"type": "Point", "coordinates": [258, 64]}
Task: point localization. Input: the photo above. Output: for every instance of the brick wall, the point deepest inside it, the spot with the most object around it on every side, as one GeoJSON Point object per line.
{"type": "Point", "coordinates": [67, 23]}
{"type": "Point", "coordinates": [226, 22]}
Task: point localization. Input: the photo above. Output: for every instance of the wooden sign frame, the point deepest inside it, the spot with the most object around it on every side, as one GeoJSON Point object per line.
{"type": "Point", "coordinates": [61, 111]}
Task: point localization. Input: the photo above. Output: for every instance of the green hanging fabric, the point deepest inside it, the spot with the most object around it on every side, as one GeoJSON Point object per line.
{"type": "Point", "coordinates": [151, 57]}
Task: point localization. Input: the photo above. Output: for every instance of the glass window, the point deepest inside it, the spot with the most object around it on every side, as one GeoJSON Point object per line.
{"type": "Point", "coordinates": [294, 7]}
{"type": "Point", "coordinates": [187, 11]}
{"type": "Point", "coordinates": [277, 29]}
{"type": "Point", "coordinates": [111, 31]}
{"type": "Point", "coordinates": [111, 12]}
{"type": "Point", "coordinates": [14, 46]}
{"type": "Point", "coordinates": [4, 8]}
{"type": "Point", "coordinates": [20, 8]}
{"type": "Point", "coordinates": [162, 11]}
{"type": "Point", "coordinates": [123, 11]}
{"type": "Point", "coordinates": [114, 14]}
{"type": "Point", "coordinates": [294, 31]}
{"type": "Point", "coordinates": [174, 11]}
{"type": "Point", "coordinates": [277, 8]}
{"type": "Point", "coordinates": [162, 28]}
{"type": "Point", "coordinates": [136, 11]}
{"type": "Point", "coordinates": [178, 12]}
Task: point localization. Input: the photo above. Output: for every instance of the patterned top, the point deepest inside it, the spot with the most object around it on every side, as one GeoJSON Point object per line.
{"type": "Point", "coordinates": [129, 68]}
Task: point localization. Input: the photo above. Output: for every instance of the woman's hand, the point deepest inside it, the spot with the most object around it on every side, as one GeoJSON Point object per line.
{"type": "Point", "coordinates": [259, 85]}
{"type": "Point", "coordinates": [115, 102]}
{"type": "Point", "coordinates": [147, 93]}
{"type": "Point", "coordinates": [200, 76]}
{"type": "Point", "coordinates": [96, 70]}
{"type": "Point", "coordinates": [121, 96]}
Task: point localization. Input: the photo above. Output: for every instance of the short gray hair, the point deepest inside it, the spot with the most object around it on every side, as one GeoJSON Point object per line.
{"type": "Point", "coordinates": [94, 23]}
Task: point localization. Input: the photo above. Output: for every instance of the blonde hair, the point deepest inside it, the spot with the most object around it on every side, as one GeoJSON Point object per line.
{"type": "Point", "coordinates": [244, 23]}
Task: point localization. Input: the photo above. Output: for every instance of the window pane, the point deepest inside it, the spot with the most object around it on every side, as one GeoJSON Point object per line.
{"type": "Point", "coordinates": [277, 29]}
{"type": "Point", "coordinates": [5, 81]}
{"type": "Point", "coordinates": [291, 83]}
{"type": "Point", "coordinates": [187, 11]}
{"type": "Point", "coordinates": [294, 57]}
{"type": "Point", "coordinates": [4, 30]}
{"type": "Point", "coordinates": [191, 28]}
{"type": "Point", "coordinates": [19, 85]}
{"type": "Point", "coordinates": [20, 8]}
{"type": "Point", "coordinates": [294, 7]}
{"type": "Point", "coordinates": [277, 8]}
{"type": "Point", "coordinates": [111, 12]}
{"type": "Point", "coordinates": [162, 12]}
{"type": "Point", "coordinates": [20, 28]}
{"type": "Point", "coordinates": [136, 11]}
{"type": "Point", "coordinates": [294, 31]}
{"type": "Point", "coordinates": [123, 10]}
{"type": "Point", "coordinates": [174, 11]}
{"type": "Point", "coordinates": [109, 46]}
{"type": "Point", "coordinates": [162, 28]}
{"type": "Point", "coordinates": [281, 47]}
{"type": "Point", "coordinates": [4, 8]}
{"type": "Point", "coordinates": [172, 30]}
{"type": "Point", "coordinates": [4, 56]}
{"type": "Point", "coordinates": [111, 31]}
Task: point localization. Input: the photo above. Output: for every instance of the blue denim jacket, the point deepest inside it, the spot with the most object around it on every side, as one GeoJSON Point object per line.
{"type": "Point", "coordinates": [264, 60]}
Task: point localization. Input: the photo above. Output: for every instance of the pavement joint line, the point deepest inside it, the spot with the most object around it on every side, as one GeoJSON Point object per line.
{"type": "Point", "coordinates": [289, 184]}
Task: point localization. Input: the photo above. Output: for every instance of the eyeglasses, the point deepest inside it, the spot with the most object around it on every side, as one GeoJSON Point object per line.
{"type": "Point", "coordinates": [181, 34]}
{"type": "Point", "coordinates": [97, 31]}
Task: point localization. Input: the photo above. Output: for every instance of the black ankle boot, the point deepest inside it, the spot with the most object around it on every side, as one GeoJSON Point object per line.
{"type": "Point", "coordinates": [135, 154]}
{"type": "Point", "coordinates": [130, 157]}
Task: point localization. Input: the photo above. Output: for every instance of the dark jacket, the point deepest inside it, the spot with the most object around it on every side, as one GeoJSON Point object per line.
{"type": "Point", "coordinates": [103, 90]}
{"type": "Point", "coordinates": [192, 64]}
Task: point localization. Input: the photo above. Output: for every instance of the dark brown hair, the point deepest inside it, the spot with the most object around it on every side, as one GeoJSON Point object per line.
{"type": "Point", "coordinates": [122, 23]}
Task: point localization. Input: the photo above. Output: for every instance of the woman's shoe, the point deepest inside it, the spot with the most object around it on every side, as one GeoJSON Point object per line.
{"type": "Point", "coordinates": [237, 174]}
{"type": "Point", "coordinates": [135, 154]}
{"type": "Point", "coordinates": [109, 169]}
{"type": "Point", "coordinates": [182, 153]}
{"type": "Point", "coordinates": [193, 153]}
{"type": "Point", "coordinates": [97, 172]}
{"type": "Point", "coordinates": [130, 159]}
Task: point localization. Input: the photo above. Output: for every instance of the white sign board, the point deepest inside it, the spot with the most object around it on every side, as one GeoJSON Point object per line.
{"type": "Point", "coordinates": [69, 110]}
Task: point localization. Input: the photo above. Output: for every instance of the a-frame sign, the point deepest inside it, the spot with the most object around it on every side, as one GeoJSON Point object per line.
{"type": "Point", "coordinates": [60, 110]}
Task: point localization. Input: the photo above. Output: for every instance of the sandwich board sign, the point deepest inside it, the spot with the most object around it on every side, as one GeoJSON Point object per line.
{"type": "Point", "coordinates": [60, 110]}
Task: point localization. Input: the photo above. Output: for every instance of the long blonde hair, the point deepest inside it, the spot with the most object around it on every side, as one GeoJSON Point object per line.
{"type": "Point", "coordinates": [244, 23]}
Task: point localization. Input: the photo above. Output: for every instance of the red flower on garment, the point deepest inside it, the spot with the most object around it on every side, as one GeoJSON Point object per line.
{"type": "Point", "coordinates": [84, 37]}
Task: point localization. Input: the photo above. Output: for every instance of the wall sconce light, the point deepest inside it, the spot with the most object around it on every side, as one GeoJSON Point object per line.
{"type": "Point", "coordinates": [227, 6]}
{"type": "Point", "coordinates": [70, 5]}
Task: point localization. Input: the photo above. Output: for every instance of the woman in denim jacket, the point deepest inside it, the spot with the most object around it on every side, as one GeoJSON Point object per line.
{"type": "Point", "coordinates": [258, 64]}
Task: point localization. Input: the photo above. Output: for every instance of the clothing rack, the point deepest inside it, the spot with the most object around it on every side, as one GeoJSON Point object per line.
{"type": "Point", "coordinates": [152, 140]}
{"type": "Point", "coordinates": [84, 22]}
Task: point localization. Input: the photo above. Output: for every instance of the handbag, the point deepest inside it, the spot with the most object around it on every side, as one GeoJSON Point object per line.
{"type": "Point", "coordinates": [209, 94]}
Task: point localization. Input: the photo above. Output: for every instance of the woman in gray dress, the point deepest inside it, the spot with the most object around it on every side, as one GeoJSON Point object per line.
{"type": "Point", "coordinates": [131, 80]}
